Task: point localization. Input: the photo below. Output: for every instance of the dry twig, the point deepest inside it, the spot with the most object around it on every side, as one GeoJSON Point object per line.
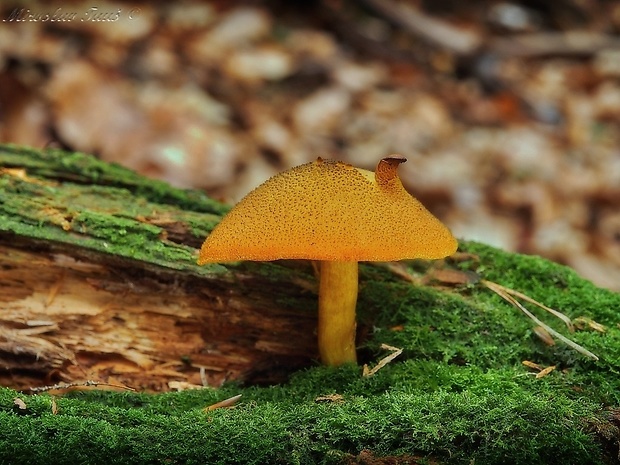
{"type": "Point", "coordinates": [383, 362]}
{"type": "Point", "coordinates": [224, 403]}
{"type": "Point", "coordinates": [509, 295]}
{"type": "Point", "coordinates": [63, 388]}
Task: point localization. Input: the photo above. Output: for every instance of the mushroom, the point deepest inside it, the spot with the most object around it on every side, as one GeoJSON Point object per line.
{"type": "Point", "coordinates": [339, 215]}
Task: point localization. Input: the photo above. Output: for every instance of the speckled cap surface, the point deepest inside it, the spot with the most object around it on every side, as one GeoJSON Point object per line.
{"type": "Point", "coordinates": [328, 210]}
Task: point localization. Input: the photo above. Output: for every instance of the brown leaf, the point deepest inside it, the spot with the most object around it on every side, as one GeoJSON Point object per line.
{"type": "Point", "coordinates": [533, 365]}
{"type": "Point", "coordinates": [455, 277]}
{"type": "Point", "coordinates": [545, 372]}
{"type": "Point", "coordinates": [544, 335]}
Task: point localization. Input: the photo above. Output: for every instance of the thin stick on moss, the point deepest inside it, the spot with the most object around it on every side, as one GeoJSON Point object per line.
{"type": "Point", "coordinates": [383, 362]}
{"type": "Point", "coordinates": [63, 388]}
{"type": "Point", "coordinates": [502, 292]}
{"type": "Point", "coordinates": [560, 315]}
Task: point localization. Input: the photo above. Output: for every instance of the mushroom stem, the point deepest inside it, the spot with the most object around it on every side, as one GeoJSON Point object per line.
{"type": "Point", "coordinates": [337, 299]}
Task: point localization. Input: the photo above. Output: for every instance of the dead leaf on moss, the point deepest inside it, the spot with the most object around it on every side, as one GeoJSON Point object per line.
{"type": "Point", "coordinates": [20, 403]}
{"type": "Point", "coordinates": [330, 399]}
{"type": "Point", "coordinates": [544, 335]}
{"type": "Point", "coordinates": [545, 372]}
{"type": "Point", "coordinates": [583, 323]}
{"type": "Point", "coordinates": [542, 372]}
{"type": "Point", "coordinates": [533, 365]}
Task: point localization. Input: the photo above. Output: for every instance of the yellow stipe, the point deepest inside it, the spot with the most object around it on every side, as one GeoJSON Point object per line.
{"type": "Point", "coordinates": [337, 299]}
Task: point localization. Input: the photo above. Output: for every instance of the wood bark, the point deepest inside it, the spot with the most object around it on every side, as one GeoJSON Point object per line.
{"type": "Point", "coordinates": [98, 281]}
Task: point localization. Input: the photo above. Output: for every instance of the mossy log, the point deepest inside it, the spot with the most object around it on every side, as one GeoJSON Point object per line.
{"type": "Point", "coordinates": [98, 280]}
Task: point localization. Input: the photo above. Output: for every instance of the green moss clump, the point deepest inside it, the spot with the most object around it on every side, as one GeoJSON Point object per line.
{"type": "Point", "coordinates": [458, 394]}
{"type": "Point", "coordinates": [285, 425]}
{"type": "Point", "coordinates": [108, 208]}
{"type": "Point", "coordinates": [83, 168]}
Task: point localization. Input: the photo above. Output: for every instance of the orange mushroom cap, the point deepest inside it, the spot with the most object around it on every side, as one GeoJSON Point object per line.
{"type": "Point", "coordinates": [328, 210]}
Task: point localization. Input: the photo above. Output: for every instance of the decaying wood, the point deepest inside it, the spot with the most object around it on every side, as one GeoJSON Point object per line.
{"type": "Point", "coordinates": [68, 319]}
{"type": "Point", "coordinates": [80, 301]}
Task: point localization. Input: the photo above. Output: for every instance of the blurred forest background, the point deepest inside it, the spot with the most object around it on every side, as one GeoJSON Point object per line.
{"type": "Point", "coordinates": [508, 111]}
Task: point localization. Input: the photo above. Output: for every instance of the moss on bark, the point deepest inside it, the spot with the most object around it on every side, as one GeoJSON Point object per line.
{"type": "Point", "coordinates": [458, 394]}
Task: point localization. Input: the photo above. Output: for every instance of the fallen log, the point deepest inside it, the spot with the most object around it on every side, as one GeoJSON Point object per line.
{"type": "Point", "coordinates": [98, 281]}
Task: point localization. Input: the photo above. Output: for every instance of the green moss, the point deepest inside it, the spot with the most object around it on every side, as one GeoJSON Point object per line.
{"type": "Point", "coordinates": [459, 392]}
{"type": "Point", "coordinates": [125, 215]}
{"type": "Point", "coordinates": [85, 169]}
{"type": "Point", "coordinates": [285, 425]}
